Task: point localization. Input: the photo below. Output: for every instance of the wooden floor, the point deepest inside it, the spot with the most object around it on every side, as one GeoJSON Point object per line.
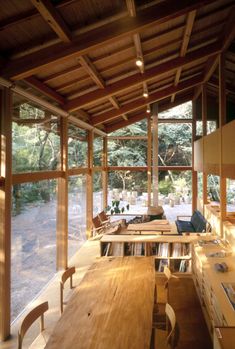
{"type": "Point", "coordinates": [193, 329]}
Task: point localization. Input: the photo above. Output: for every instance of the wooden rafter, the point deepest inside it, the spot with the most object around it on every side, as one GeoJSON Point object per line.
{"type": "Point", "coordinates": [187, 33]}
{"type": "Point", "coordinates": [226, 39]}
{"type": "Point", "coordinates": [138, 79]}
{"type": "Point", "coordinates": [53, 18]}
{"type": "Point", "coordinates": [116, 105]}
{"type": "Point", "coordinates": [154, 97]}
{"type": "Point", "coordinates": [91, 70]}
{"type": "Point", "coordinates": [85, 42]}
{"type": "Point", "coordinates": [46, 90]}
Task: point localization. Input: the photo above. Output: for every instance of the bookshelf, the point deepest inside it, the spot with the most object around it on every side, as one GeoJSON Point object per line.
{"type": "Point", "coordinates": [174, 251]}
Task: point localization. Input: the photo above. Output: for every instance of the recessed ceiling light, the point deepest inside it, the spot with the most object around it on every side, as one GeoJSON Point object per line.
{"type": "Point", "coordinates": [139, 62]}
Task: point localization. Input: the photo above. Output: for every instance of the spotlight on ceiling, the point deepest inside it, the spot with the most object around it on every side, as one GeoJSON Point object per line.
{"type": "Point", "coordinates": [145, 94]}
{"type": "Point", "coordinates": [148, 109]}
{"type": "Point", "coordinates": [139, 62]}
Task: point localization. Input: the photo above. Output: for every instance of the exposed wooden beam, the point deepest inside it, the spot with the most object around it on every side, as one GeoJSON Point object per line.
{"type": "Point", "coordinates": [116, 105]}
{"type": "Point", "coordinates": [109, 33]}
{"type": "Point", "coordinates": [229, 32]}
{"type": "Point", "coordinates": [44, 89]}
{"type": "Point", "coordinates": [27, 15]}
{"type": "Point", "coordinates": [137, 79]}
{"type": "Point", "coordinates": [131, 7]}
{"type": "Point", "coordinates": [113, 114]}
{"type": "Point", "coordinates": [184, 46]}
{"type": "Point", "coordinates": [53, 18]}
{"type": "Point", "coordinates": [91, 70]}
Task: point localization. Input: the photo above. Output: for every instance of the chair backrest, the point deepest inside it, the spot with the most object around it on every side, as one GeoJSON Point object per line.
{"type": "Point", "coordinates": [168, 275]}
{"type": "Point", "coordinates": [29, 319]}
{"type": "Point", "coordinates": [173, 334]}
{"type": "Point", "coordinates": [96, 222]}
{"type": "Point", "coordinates": [103, 217]}
{"type": "Point", "coordinates": [64, 277]}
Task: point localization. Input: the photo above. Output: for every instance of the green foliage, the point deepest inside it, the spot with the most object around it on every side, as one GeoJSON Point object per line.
{"type": "Point", "coordinates": [165, 187]}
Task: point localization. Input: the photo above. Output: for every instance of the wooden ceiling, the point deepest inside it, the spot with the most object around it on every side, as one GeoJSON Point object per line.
{"type": "Point", "coordinates": [80, 54]}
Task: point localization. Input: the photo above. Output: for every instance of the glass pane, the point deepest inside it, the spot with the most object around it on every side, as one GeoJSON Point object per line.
{"type": "Point", "coordinates": [130, 187]}
{"type": "Point", "coordinates": [127, 152]}
{"type": "Point", "coordinates": [230, 195]}
{"type": "Point", "coordinates": [35, 146]}
{"type": "Point", "coordinates": [76, 213]}
{"type": "Point", "coordinates": [175, 193]}
{"type": "Point", "coordinates": [213, 188]}
{"type": "Point", "coordinates": [77, 147]}
{"type": "Point", "coordinates": [33, 258]}
{"type": "Point", "coordinates": [97, 193]}
{"type": "Point", "coordinates": [175, 144]}
{"type": "Point", "coordinates": [211, 127]}
{"type": "Point", "coordinates": [200, 184]}
{"type": "Point", "coordinates": [97, 151]}
{"type": "Point", "coordinates": [183, 111]}
{"type": "Point", "coordinates": [139, 128]}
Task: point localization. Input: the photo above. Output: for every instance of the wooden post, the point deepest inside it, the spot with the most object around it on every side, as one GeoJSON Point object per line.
{"type": "Point", "coordinates": [89, 185]}
{"type": "Point", "coordinates": [149, 161]}
{"type": "Point", "coordinates": [105, 172]}
{"type": "Point", "coordinates": [222, 121]}
{"type": "Point", "coordinates": [62, 201]}
{"type": "Point", "coordinates": [155, 154]}
{"type": "Point", "coordinates": [204, 133]}
{"type": "Point", "coordinates": [194, 173]}
{"type": "Point", "coordinates": [5, 211]}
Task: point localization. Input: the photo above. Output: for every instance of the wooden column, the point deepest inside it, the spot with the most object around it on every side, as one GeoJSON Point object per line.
{"type": "Point", "coordinates": [62, 201]}
{"type": "Point", "coordinates": [5, 211]}
{"type": "Point", "coordinates": [194, 173]}
{"type": "Point", "coordinates": [89, 185]}
{"type": "Point", "coordinates": [204, 133]}
{"type": "Point", "coordinates": [149, 161]}
{"type": "Point", "coordinates": [222, 121]}
{"type": "Point", "coordinates": [105, 172]}
{"type": "Point", "coordinates": [155, 154]}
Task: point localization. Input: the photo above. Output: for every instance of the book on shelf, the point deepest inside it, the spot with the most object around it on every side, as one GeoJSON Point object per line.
{"type": "Point", "coordinates": [185, 266]}
{"type": "Point", "coordinates": [163, 249]}
{"type": "Point", "coordinates": [162, 263]}
{"type": "Point", "coordinates": [117, 249]}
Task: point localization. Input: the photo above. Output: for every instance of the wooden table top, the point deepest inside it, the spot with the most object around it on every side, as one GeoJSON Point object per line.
{"type": "Point", "coordinates": [111, 308]}
{"type": "Point", "coordinates": [156, 225]}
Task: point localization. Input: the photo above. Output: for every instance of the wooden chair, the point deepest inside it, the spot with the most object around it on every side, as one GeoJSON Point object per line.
{"type": "Point", "coordinates": [162, 294]}
{"type": "Point", "coordinates": [64, 277]}
{"type": "Point", "coordinates": [168, 337]}
{"type": "Point", "coordinates": [98, 227]}
{"type": "Point", "coordinates": [29, 319]}
{"type": "Point", "coordinates": [105, 220]}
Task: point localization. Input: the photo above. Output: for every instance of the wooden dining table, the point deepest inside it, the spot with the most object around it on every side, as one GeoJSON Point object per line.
{"type": "Point", "coordinates": [146, 228]}
{"type": "Point", "coordinates": [111, 308]}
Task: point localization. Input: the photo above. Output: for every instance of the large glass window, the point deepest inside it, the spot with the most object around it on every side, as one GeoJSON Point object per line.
{"type": "Point", "coordinates": [76, 213]}
{"type": "Point", "coordinates": [182, 111]}
{"type": "Point", "coordinates": [231, 195]}
{"type": "Point", "coordinates": [175, 144]}
{"type": "Point", "coordinates": [139, 128]}
{"type": "Point", "coordinates": [33, 249]}
{"type": "Point", "coordinates": [97, 150]}
{"type": "Point", "coordinates": [97, 192]}
{"type": "Point", "coordinates": [35, 140]}
{"type": "Point", "coordinates": [211, 127]}
{"type": "Point", "coordinates": [122, 152]}
{"type": "Point", "coordinates": [213, 188]}
{"type": "Point", "coordinates": [77, 147]}
{"type": "Point", "coordinates": [128, 187]}
{"type": "Point", "coordinates": [200, 185]}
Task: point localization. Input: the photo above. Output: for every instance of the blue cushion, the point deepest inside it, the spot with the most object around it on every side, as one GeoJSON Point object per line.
{"type": "Point", "coordinates": [198, 221]}
{"type": "Point", "coordinates": [184, 226]}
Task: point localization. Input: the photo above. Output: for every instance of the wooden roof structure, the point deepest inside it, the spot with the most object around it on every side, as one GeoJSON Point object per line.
{"type": "Point", "coordinates": [81, 54]}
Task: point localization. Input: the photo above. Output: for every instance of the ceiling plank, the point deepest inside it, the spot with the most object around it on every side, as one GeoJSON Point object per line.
{"type": "Point", "coordinates": [229, 32]}
{"type": "Point", "coordinates": [187, 34]}
{"type": "Point", "coordinates": [91, 70]}
{"type": "Point", "coordinates": [109, 33]}
{"type": "Point", "coordinates": [137, 79]}
{"type": "Point", "coordinates": [141, 102]}
{"type": "Point", "coordinates": [46, 90]}
{"type": "Point", "coordinates": [53, 18]}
